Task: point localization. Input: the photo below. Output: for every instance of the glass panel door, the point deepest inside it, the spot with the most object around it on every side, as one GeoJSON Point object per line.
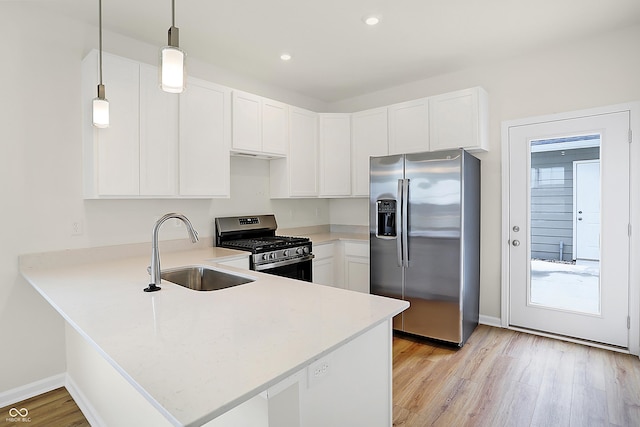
{"type": "Point", "coordinates": [565, 223]}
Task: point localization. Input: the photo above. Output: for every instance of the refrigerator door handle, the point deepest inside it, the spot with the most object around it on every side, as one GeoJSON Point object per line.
{"type": "Point", "coordinates": [399, 222]}
{"type": "Point", "coordinates": [405, 222]}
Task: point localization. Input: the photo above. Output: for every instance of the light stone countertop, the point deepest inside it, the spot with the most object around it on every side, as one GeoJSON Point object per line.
{"type": "Point", "coordinates": [320, 238]}
{"type": "Point", "coordinates": [215, 349]}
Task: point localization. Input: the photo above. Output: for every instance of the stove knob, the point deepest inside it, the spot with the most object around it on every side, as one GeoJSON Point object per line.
{"type": "Point", "coordinates": [305, 250]}
{"type": "Point", "coordinates": [285, 253]}
{"type": "Point", "coordinates": [264, 257]}
{"type": "Point", "coordinates": [272, 255]}
{"type": "Point", "coordinates": [299, 251]}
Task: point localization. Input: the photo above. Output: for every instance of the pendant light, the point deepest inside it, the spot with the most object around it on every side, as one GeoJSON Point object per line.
{"type": "Point", "coordinates": [172, 60]}
{"type": "Point", "coordinates": [100, 104]}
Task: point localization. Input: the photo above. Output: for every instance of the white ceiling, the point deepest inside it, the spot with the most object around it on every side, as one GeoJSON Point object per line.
{"type": "Point", "coordinates": [335, 55]}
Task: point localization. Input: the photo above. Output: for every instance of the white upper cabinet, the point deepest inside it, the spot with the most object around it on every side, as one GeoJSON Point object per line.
{"type": "Point", "coordinates": [335, 155]}
{"type": "Point", "coordinates": [111, 155]}
{"type": "Point", "coordinates": [409, 127]}
{"type": "Point", "coordinates": [297, 174]}
{"type": "Point", "coordinates": [158, 136]}
{"type": "Point", "coordinates": [259, 125]}
{"type": "Point", "coordinates": [167, 146]}
{"type": "Point", "coordinates": [205, 137]}
{"type": "Point", "coordinates": [459, 120]}
{"type": "Point", "coordinates": [247, 122]}
{"type": "Point", "coordinates": [369, 138]}
{"type": "Point", "coordinates": [157, 144]}
{"type": "Point", "coordinates": [275, 127]}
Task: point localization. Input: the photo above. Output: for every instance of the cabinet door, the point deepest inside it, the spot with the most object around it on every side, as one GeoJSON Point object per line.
{"type": "Point", "coordinates": [117, 160]}
{"type": "Point", "coordinates": [409, 127]}
{"type": "Point", "coordinates": [158, 136]}
{"type": "Point", "coordinates": [275, 125]}
{"type": "Point", "coordinates": [356, 266]}
{"type": "Point", "coordinates": [323, 272]}
{"type": "Point", "coordinates": [247, 121]}
{"type": "Point", "coordinates": [335, 154]}
{"type": "Point", "coordinates": [302, 161]}
{"type": "Point", "coordinates": [204, 140]}
{"type": "Point", "coordinates": [357, 273]}
{"type": "Point", "coordinates": [369, 138]}
{"type": "Point", "coordinates": [459, 120]}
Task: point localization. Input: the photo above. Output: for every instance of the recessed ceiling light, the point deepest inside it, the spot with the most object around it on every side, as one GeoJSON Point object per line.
{"type": "Point", "coordinates": [371, 19]}
{"type": "Point", "coordinates": [285, 56]}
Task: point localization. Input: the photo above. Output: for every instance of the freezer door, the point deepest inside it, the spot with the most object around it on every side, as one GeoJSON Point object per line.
{"type": "Point", "coordinates": [386, 272]}
{"type": "Point", "coordinates": [432, 279]}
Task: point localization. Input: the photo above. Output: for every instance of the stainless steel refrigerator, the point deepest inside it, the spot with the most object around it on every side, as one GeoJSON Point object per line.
{"type": "Point", "coordinates": [425, 240]}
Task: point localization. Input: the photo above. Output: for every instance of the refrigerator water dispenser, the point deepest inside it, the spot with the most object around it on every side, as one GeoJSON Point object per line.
{"type": "Point", "coordinates": [386, 214]}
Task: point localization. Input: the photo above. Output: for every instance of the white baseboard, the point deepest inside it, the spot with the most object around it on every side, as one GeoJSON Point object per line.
{"type": "Point", "coordinates": [27, 391]}
{"type": "Point", "coordinates": [83, 403]}
{"type": "Point", "coordinates": [490, 321]}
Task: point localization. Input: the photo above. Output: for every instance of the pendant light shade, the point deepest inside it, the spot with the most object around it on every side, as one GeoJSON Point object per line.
{"type": "Point", "coordinates": [100, 104]}
{"type": "Point", "coordinates": [172, 60]}
{"type": "Point", "coordinates": [100, 109]}
{"type": "Point", "coordinates": [172, 69]}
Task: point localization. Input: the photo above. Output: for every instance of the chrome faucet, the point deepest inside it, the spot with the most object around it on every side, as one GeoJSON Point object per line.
{"type": "Point", "coordinates": [154, 269]}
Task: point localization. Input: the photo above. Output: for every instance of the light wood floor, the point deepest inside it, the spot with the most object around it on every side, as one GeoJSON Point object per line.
{"type": "Point", "coordinates": [53, 409]}
{"type": "Point", "coordinates": [507, 378]}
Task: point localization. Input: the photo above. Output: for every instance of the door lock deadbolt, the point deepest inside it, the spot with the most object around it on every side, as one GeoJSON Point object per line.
{"type": "Point", "coordinates": [516, 228]}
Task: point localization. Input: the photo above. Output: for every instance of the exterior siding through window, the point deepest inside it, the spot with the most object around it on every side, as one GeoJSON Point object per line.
{"type": "Point", "coordinates": [552, 201]}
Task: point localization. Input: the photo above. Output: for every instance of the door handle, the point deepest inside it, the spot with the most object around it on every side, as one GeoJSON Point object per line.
{"type": "Point", "coordinates": [399, 222]}
{"type": "Point", "coordinates": [516, 243]}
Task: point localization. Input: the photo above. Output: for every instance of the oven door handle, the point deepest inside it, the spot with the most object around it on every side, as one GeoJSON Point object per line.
{"type": "Point", "coordinates": [276, 264]}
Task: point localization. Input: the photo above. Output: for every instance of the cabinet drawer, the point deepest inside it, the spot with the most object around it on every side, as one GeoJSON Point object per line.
{"type": "Point", "coordinates": [324, 250]}
{"type": "Point", "coordinates": [356, 249]}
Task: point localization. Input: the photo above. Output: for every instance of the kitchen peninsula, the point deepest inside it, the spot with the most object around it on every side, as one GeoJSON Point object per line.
{"type": "Point", "coordinates": [271, 352]}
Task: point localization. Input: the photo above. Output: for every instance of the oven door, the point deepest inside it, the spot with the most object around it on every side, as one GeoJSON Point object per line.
{"type": "Point", "coordinates": [299, 268]}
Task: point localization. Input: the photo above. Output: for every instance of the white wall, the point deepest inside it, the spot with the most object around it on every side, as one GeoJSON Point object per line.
{"type": "Point", "coordinates": [587, 73]}
{"type": "Point", "coordinates": [40, 177]}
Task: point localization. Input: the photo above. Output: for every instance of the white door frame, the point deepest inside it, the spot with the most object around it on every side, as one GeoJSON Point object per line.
{"type": "Point", "coordinates": [634, 269]}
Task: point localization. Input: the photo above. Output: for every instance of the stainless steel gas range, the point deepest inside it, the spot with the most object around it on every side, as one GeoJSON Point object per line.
{"type": "Point", "coordinates": [280, 255]}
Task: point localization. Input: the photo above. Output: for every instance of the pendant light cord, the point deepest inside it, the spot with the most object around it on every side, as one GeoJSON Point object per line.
{"type": "Point", "coordinates": [173, 13]}
{"type": "Point", "coordinates": [100, 37]}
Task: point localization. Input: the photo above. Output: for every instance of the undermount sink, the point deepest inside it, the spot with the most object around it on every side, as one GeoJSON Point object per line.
{"type": "Point", "coordinates": [202, 278]}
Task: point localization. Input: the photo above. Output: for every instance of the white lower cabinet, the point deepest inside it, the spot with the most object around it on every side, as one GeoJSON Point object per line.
{"type": "Point", "coordinates": [350, 386]}
{"type": "Point", "coordinates": [342, 264]}
{"type": "Point", "coordinates": [356, 266]}
{"type": "Point", "coordinates": [324, 271]}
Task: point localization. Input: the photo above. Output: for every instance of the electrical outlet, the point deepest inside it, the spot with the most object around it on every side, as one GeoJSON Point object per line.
{"type": "Point", "coordinates": [76, 228]}
{"type": "Point", "coordinates": [317, 371]}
